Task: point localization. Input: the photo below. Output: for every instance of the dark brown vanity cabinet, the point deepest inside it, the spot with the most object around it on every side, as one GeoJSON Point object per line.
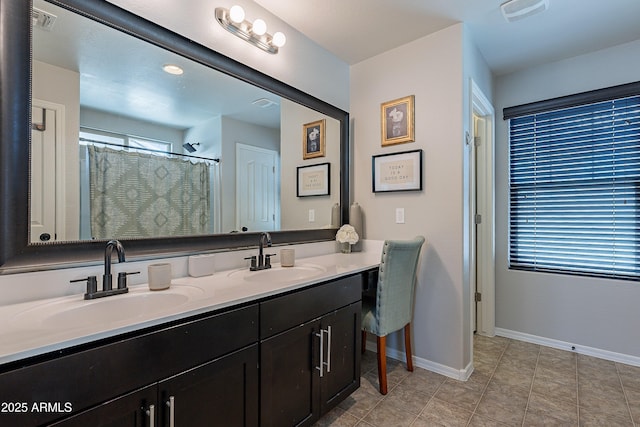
{"type": "Point", "coordinates": [201, 372]}
{"type": "Point", "coordinates": [310, 352]}
{"type": "Point", "coordinates": [283, 361]}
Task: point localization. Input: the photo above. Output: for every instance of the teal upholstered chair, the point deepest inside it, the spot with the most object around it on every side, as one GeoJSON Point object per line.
{"type": "Point", "coordinates": [391, 307]}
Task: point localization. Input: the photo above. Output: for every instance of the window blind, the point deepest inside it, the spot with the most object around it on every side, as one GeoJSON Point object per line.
{"type": "Point", "coordinates": [575, 189]}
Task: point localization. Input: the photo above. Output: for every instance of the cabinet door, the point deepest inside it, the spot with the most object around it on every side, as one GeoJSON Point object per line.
{"type": "Point", "coordinates": [289, 378]}
{"type": "Point", "coordinates": [343, 376]}
{"type": "Point", "coordinates": [223, 392]}
{"type": "Point", "coordinates": [131, 410]}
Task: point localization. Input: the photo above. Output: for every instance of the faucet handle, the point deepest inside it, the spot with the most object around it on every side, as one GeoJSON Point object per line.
{"type": "Point", "coordinates": [267, 260]}
{"type": "Point", "coordinates": [253, 266]}
{"type": "Point", "coordinates": [92, 284]}
{"type": "Point", "coordinates": [122, 278]}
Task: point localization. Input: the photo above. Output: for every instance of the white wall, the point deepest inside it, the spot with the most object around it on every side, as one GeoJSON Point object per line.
{"type": "Point", "coordinates": [431, 68]}
{"type": "Point", "coordinates": [476, 70]}
{"type": "Point", "coordinates": [102, 120]}
{"type": "Point", "coordinates": [301, 63]}
{"type": "Point", "coordinates": [597, 313]}
{"type": "Point", "coordinates": [295, 210]}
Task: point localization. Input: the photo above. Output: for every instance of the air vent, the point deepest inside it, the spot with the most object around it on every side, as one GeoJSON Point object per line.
{"type": "Point", "coordinates": [264, 103]}
{"type": "Point", "coordinates": [42, 19]}
{"type": "Point", "coordinates": [515, 10]}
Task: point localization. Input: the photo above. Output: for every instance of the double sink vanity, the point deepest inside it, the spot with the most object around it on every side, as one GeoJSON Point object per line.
{"type": "Point", "coordinates": [274, 347]}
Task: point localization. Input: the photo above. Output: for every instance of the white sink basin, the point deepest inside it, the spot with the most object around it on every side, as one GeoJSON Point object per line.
{"type": "Point", "coordinates": [74, 312]}
{"type": "Point", "coordinates": [279, 274]}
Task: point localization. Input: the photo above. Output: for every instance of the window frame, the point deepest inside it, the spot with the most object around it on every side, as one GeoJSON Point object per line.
{"type": "Point", "coordinates": [576, 100]}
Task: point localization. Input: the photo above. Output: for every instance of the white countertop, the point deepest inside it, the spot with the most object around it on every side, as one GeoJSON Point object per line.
{"type": "Point", "coordinates": [27, 329]}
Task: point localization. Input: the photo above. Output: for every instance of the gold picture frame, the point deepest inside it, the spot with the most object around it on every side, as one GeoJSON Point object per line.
{"type": "Point", "coordinates": [398, 121]}
{"type": "Point", "coordinates": [313, 139]}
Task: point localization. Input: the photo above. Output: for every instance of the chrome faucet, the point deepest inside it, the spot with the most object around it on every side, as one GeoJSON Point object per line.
{"type": "Point", "coordinates": [107, 285]}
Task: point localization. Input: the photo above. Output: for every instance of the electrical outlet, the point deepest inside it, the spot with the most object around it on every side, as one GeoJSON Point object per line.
{"type": "Point", "coordinates": [399, 215]}
{"type": "Point", "coordinates": [312, 215]}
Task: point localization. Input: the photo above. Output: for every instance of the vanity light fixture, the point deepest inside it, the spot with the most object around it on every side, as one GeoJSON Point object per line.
{"type": "Point", "coordinates": [172, 69]}
{"type": "Point", "coordinates": [255, 33]}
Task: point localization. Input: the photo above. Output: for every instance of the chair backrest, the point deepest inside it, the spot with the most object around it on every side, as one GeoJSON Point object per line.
{"type": "Point", "coordinates": [396, 284]}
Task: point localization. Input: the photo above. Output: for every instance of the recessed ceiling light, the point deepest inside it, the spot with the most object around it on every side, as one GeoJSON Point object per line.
{"type": "Point", "coordinates": [173, 69]}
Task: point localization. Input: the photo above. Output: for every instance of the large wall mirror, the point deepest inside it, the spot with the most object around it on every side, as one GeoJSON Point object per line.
{"type": "Point", "coordinates": [105, 142]}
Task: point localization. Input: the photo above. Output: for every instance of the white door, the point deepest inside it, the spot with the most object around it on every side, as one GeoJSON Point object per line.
{"type": "Point", "coordinates": [43, 175]}
{"type": "Point", "coordinates": [255, 188]}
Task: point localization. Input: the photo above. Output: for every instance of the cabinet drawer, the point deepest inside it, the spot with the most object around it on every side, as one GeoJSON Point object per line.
{"type": "Point", "coordinates": [97, 374]}
{"type": "Point", "coordinates": [282, 313]}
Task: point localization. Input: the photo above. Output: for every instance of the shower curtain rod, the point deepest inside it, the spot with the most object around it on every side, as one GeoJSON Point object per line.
{"type": "Point", "coordinates": [148, 149]}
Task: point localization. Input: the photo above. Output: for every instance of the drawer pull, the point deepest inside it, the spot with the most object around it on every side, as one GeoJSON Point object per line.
{"type": "Point", "coordinates": [322, 363]}
{"type": "Point", "coordinates": [151, 413]}
{"type": "Point", "coordinates": [172, 410]}
{"type": "Point", "coordinates": [328, 362]}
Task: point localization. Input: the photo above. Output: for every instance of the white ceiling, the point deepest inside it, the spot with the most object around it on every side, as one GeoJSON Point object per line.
{"type": "Point", "coordinates": [355, 30]}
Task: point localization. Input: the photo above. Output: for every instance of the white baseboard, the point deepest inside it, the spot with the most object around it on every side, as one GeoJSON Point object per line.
{"type": "Point", "coordinates": [447, 371]}
{"type": "Point", "coordinates": [562, 345]}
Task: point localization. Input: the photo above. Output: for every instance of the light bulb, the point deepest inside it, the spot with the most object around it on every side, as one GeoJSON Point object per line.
{"type": "Point", "coordinates": [259, 27]}
{"type": "Point", "coordinates": [236, 13]}
{"type": "Point", "coordinates": [279, 39]}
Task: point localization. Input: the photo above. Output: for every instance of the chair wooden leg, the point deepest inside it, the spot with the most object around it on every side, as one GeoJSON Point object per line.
{"type": "Point", "coordinates": [382, 364]}
{"type": "Point", "coordinates": [407, 346]}
{"type": "Point", "coordinates": [364, 341]}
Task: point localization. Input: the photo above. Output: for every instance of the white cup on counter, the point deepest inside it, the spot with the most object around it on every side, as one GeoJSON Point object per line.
{"type": "Point", "coordinates": [159, 276]}
{"type": "Point", "coordinates": [287, 257]}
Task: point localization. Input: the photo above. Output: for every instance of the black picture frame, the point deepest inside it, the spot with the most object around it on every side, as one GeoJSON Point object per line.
{"type": "Point", "coordinates": [313, 180]}
{"type": "Point", "coordinates": [397, 171]}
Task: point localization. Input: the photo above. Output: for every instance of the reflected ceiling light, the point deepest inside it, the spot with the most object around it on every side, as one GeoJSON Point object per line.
{"type": "Point", "coordinates": [255, 33]}
{"type": "Point", "coordinates": [172, 69]}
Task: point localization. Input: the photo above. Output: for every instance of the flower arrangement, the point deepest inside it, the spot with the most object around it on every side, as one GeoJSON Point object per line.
{"type": "Point", "coordinates": [347, 236]}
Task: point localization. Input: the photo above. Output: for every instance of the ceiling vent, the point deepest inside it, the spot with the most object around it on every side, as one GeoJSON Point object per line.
{"type": "Point", "coordinates": [264, 103]}
{"type": "Point", "coordinates": [42, 19]}
{"type": "Point", "coordinates": [515, 10]}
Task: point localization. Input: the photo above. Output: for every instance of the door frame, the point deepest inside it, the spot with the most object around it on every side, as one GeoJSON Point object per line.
{"type": "Point", "coordinates": [60, 150]}
{"type": "Point", "coordinates": [483, 199]}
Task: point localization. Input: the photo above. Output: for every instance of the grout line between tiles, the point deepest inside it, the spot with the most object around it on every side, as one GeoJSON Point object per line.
{"type": "Point", "coordinates": [488, 382]}
{"type": "Point", "coordinates": [533, 379]}
{"type": "Point", "coordinates": [624, 393]}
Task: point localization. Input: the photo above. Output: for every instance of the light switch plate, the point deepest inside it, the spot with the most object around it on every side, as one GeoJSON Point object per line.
{"type": "Point", "coordinates": [399, 215]}
{"type": "Point", "coordinates": [312, 215]}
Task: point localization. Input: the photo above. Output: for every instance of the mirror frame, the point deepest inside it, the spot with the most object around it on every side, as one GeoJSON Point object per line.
{"type": "Point", "coordinates": [16, 253]}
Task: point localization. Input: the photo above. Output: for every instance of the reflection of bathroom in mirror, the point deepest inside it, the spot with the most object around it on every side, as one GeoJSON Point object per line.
{"type": "Point", "coordinates": [105, 121]}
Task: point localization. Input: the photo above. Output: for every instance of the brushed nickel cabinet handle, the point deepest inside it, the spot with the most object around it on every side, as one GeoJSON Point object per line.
{"type": "Point", "coordinates": [321, 367]}
{"type": "Point", "coordinates": [151, 413]}
{"type": "Point", "coordinates": [172, 410]}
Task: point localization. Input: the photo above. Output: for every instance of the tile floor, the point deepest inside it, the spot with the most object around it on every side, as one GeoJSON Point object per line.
{"type": "Point", "coordinates": [514, 384]}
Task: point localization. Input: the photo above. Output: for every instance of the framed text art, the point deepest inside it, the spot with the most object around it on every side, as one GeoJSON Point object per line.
{"type": "Point", "coordinates": [314, 180]}
{"type": "Point", "coordinates": [398, 120]}
{"type": "Point", "coordinates": [313, 139]}
{"type": "Point", "coordinates": [397, 171]}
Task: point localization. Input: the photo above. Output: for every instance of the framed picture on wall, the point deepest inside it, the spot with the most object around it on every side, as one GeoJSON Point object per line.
{"type": "Point", "coordinates": [313, 136]}
{"type": "Point", "coordinates": [398, 120]}
{"type": "Point", "coordinates": [397, 172]}
{"type": "Point", "coordinates": [314, 180]}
